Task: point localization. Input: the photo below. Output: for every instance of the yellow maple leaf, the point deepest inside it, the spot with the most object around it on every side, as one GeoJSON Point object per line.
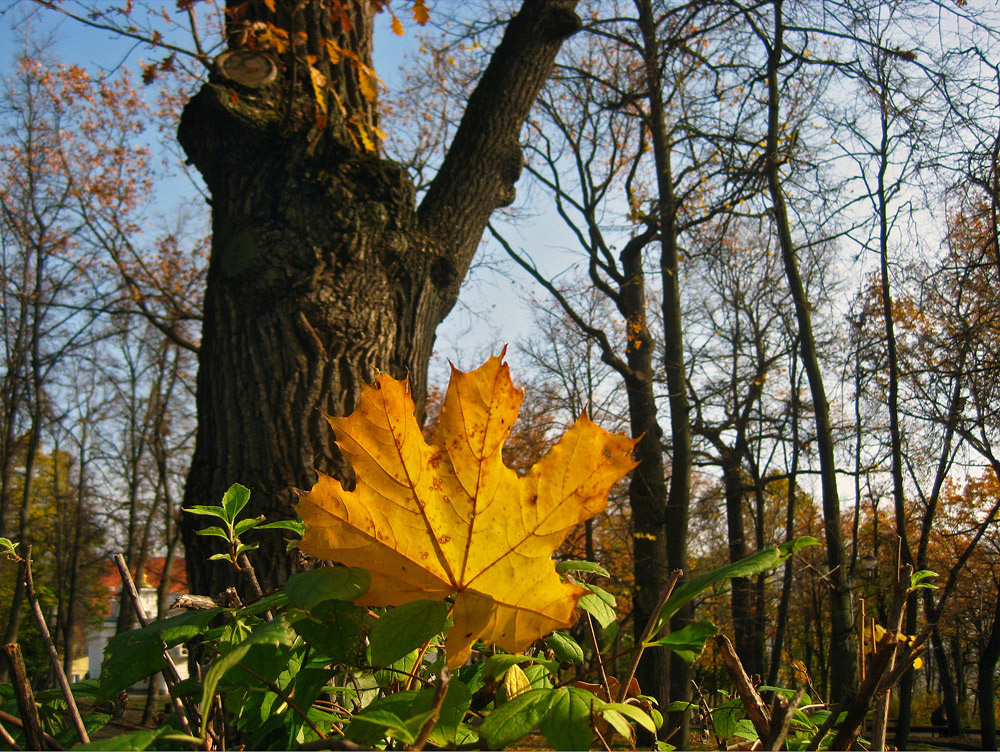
{"type": "Point", "coordinates": [448, 518]}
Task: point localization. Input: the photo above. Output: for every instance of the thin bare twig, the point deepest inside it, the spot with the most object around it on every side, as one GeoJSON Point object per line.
{"type": "Point", "coordinates": [653, 618]}
{"type": "Point", "coordinates": [444, 678]}
{"type": "Point", "coordinates": [170, 675]}
{"type": "Point", "coordinates": [8, 739]}
{"type": "Point", "coordinates": [597, 652]}
{"type": "Point", "coordinates": [36, 609]}
{"type": "Point", "coordinates": [50, 742]}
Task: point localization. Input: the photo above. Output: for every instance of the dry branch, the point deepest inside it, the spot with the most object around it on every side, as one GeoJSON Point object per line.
{"type": "Point", "coordinates": [36, 609]}
{"type": "Point", "coordinates": [31, 723]}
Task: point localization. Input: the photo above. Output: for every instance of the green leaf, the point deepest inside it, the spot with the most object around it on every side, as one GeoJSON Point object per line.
{"type": "Point", "coordinates": [214, 531]}
{"type": "Point", "coordinates": [762, 561]}
{"type": "Point", "coordinates": [242, 548]}
{"type": "Point", "coordinates": [633, 712]}
{"type": "Point", "coordinates": [138, 653]}
{"type": "Point", "coordinates": [496, 665]}
{"type": "Point", "coordinates": [296, 526]}
{"type": "Point", "coordinates": [134, 740]}
{"type": "Point", "coordinates": [210, 511]}
{"type": "Point", "coordinates": [746, 730]}
{"type": "Point", "coordinates": [395, 672]}
{"type": "Point", "coordinates": [243, 525]}
{"type": "Point", "coordinates": [917, 579]}
{"type": "Point", "coordinates": [404, 628]}
{"type": "Point", "coordinates": [566, 725]}
{"type": "Point", "coordinates": [688, 642]}
{"type": "Point", "coordinates": [565, 647]}
{"type": "Point", "coordinates": [276, 599]}
{"type": "Point", "coordinates": [275, 633]}
{"type": "Point", "coordinates": [581, 566]}
{"type": "Point", "coordinates": [186, 687]}
{"type": "Point", "coordinates": [540, 675]}
{"type": "Point", "coordinates": [178, 629]}
{"type": "Point", "coordinates": [725, 718]}
{"type": "Point", "coordinates": [618, 722]}
{"type": "Point", "coordinates": [600, 604]}
{"type": "Point", "coordinates": [219, 557]}
{"type": "Point", "coordinates": [679, 706]}
{"type": "Point", "coordinates": [339, 636]}
{"type": "Point", "coordinates": [307, 589]}
{"type": "Point", "coordinates": [383, 720]}
{"type": "Point", "coordinates": [129, 657]}
{"type": "Point", "coordinates": [234, 500]}
{"type": "Point", "coordinates": [8, 548]}
{"type": "Point", "coordinates": [413, 706]}
{"type": "Point", "coordinates": [516, 719]}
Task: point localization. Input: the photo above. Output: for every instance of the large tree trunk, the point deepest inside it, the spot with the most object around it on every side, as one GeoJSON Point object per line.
{"type": "Point", "coordinates": [322, 268]}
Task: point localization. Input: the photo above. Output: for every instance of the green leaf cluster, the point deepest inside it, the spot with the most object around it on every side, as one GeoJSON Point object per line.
{"type": "Point", "coordinates": [306, 663]}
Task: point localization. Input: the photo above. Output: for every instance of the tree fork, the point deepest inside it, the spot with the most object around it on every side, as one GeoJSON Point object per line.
{"type": "Point", "coordinates": [322, 268]}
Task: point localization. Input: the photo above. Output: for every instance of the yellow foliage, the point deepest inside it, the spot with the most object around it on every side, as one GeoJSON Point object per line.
{"type": "Point", "coordinates": [449, 518]}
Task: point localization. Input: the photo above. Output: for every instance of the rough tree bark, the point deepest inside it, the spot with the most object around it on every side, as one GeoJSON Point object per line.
{"type": "Point", "coordinates": [322, 268]}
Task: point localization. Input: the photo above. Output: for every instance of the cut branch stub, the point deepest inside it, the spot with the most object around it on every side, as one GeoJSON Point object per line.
{"type": "Point", "coordinates": [250, 68]}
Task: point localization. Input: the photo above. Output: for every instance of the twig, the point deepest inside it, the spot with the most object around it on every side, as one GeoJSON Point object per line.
{"type": "Point", "coordinates": [31, 725]}
{"type": "Point", "coordinates": [880, 722]}
{"type": "Point", "coordinates": [597, 653]}
{"type": "Point", "coordinates": [8, 739]}
{"type": "Point", "coordinates": [859, 705]}
{"type": "Point", "coordinates": [247, 570]}
{"type": "Point", "coordinates": [170, 675]}
{"type": "Point", "coordinates": [753, 704]}
{"type": "Point", "coordinates": [15, 721]}
{"type": "Point", "coordinates": [444, 679]}
{"type": "Point", "coordinates": [67, 693]}
{"type": "Point", "coordinates": [650, 624]}
{"type": "Point", "coordinates": [286, 698]}
{"type": "Point", "coordinates": [782, 713]}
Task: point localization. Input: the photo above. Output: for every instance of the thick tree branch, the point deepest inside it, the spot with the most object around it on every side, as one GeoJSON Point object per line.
{"type": "Point", "coordinates": [484, 159]}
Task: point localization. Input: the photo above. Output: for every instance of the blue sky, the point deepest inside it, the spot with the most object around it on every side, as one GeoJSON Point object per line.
{"type": "Point", "coordinates": [493, 309]}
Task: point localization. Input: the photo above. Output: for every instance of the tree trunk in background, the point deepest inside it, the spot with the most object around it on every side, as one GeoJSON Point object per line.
{"type": "Point", "coordinates": [742, 597]}
{"type": "Point", "coordinates": [986, 682]}
{"type": "Point", "coordinates": [842, 653]}
{"type": "Point", "coordinates": [322, 268]}
{"type": "Point", "coordinates": [788, 575]}
{"type": "Point", "coordinates": [676, 515]}
{"type": "Point", "coordinates": [647, 489]}
{"type": "Point", "coordinates": [947, 685]}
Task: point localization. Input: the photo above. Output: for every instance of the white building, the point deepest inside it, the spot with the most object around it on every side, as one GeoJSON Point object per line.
{"type": "Point", "coordinates": [147, 583]}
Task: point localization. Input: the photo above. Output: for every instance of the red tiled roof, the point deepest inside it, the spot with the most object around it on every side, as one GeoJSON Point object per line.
{"type": "Point", "coordinates": [152, 575]}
